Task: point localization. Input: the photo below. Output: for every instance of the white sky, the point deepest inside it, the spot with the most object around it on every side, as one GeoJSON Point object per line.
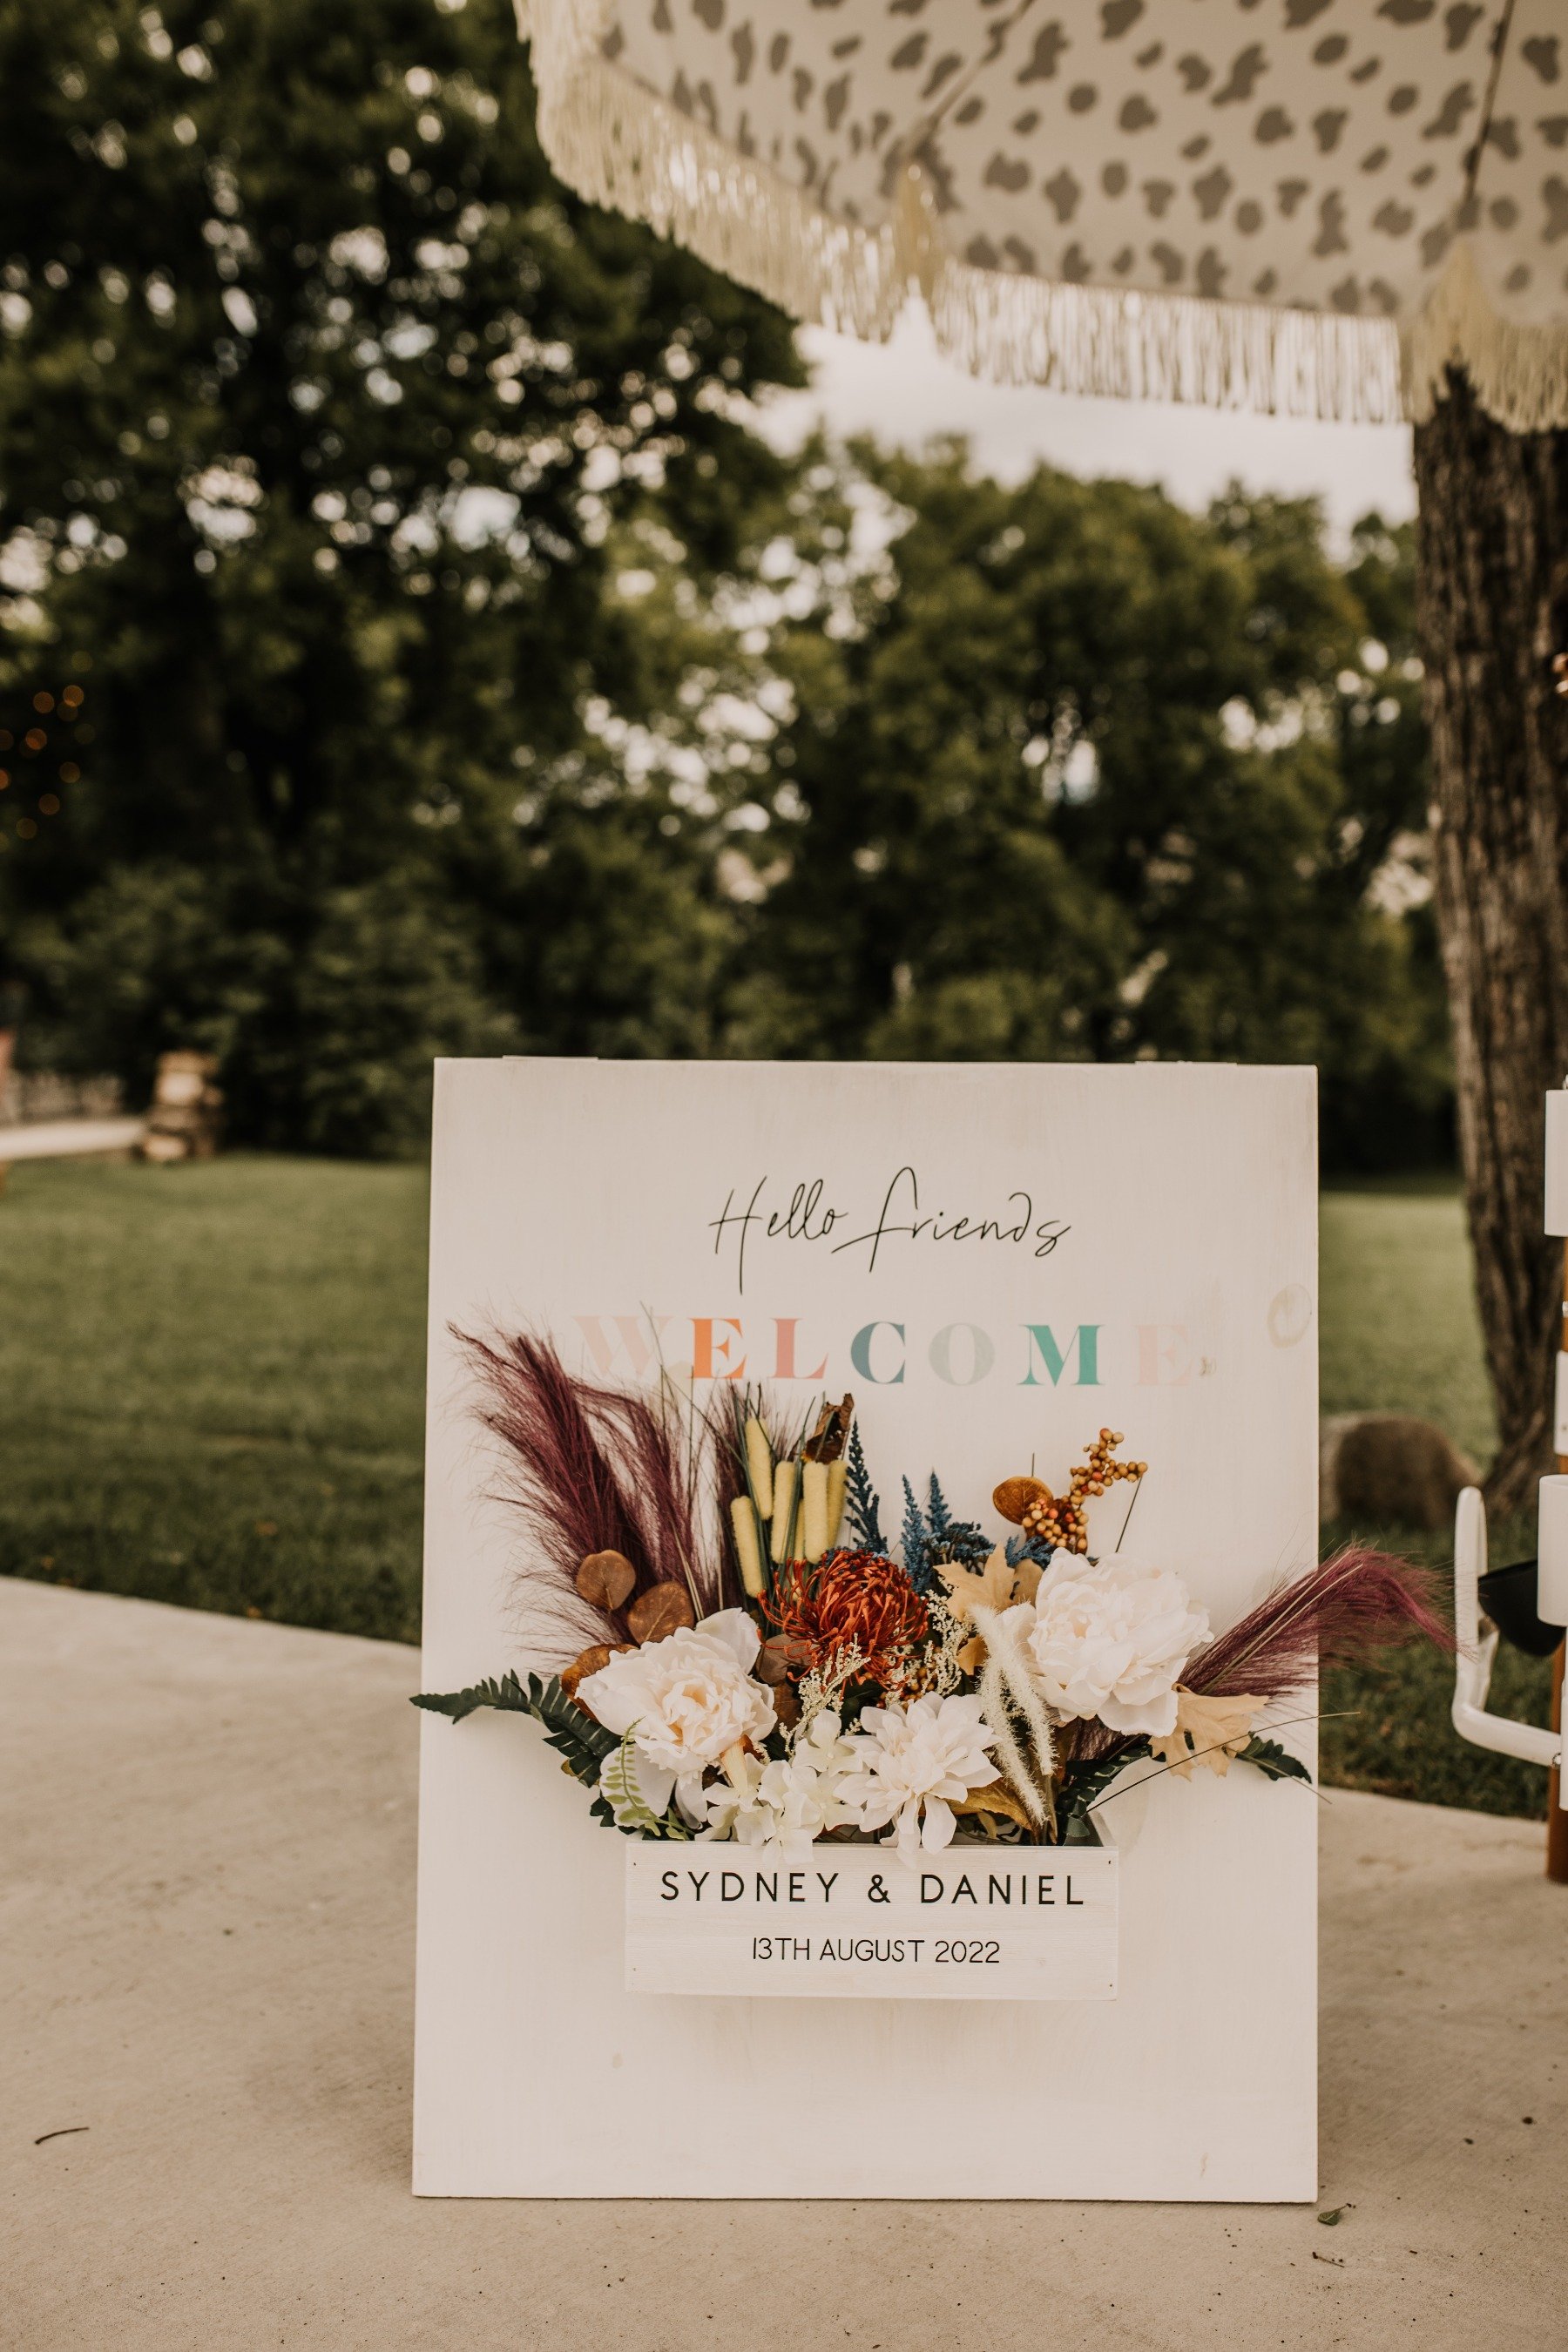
{"type": "Point", "coordinates": [903, 392]}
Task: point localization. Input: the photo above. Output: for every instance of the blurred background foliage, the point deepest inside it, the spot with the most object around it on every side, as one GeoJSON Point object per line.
{"type": "Point", "coordinates": [410, 643]}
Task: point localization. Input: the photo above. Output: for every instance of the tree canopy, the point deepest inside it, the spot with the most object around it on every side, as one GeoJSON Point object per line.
{"type": "Point", "coordinates": [409, 643]}
{"type": "Point", "coordinates": [1074, 772]}
{"type": "Point", "coordinates": [318, 399]}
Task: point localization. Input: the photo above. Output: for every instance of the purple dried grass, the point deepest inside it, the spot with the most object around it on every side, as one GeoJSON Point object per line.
{"type": "Point", "coordinates": [596, 1469]}
{"type": "Point", "coordinates": [649, 1448]}
{"type": "Point", "coordinates": [1358, 1602]}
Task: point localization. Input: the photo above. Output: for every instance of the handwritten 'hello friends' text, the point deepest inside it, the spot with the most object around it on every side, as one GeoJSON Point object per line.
{"type": "Point", "coordinates": [808, 1217]}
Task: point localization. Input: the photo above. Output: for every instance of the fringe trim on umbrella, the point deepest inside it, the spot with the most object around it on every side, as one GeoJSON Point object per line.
{"type": "Point", "coordinates": [1520, 374]}
{"type": "Point", "coordinates": [621, 144]}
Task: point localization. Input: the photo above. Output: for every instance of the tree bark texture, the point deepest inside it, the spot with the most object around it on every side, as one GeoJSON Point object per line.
{"type": "Point", "coordinates": [1494, 611]}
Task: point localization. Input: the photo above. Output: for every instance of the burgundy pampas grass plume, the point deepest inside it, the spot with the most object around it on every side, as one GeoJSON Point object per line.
{"type": "Point", "coordinates": [562, 1477]}
{"type": "Point", "coordinates": [595, 1469]}
{"type": "Point", "coordinates": [650, 1449]}
{"type": "Point", "coordinates": [1356, 1602]}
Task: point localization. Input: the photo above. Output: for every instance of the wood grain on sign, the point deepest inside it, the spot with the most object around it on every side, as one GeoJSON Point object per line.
{"type": "Point", "coordinates": [1163, 1283]}
{"type": "Point", "coordinates": [836, 1922]}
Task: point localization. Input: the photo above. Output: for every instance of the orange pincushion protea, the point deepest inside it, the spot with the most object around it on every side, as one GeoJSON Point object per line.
{"type": "Point", "coordinates": [853, 1597]}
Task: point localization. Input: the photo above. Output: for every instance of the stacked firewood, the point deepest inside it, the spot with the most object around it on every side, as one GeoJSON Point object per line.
{"type": "Point", "coordinates": [186, 1119]}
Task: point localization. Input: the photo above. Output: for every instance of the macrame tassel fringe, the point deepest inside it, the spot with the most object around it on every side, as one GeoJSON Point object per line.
{"type": "Point", "coordinates": [1520, 374]}
{"type": "Point", "coordinates": [621, 144]}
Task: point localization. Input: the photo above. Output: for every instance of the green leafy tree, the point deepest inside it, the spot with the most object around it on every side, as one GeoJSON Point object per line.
{"type": "Point", "coordinates": [1069, 772]}
{"type": "Point", "coordinates": [407, 646]}
{"type": "Point", "coordinates": [321, 406]}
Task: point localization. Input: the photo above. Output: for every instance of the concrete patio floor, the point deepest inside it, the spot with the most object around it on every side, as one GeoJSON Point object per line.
{"type": "Point", "coordinates": [205, 1971]}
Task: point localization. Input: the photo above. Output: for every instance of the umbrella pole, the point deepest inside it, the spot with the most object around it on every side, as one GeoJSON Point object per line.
{"type": "Point", "coordinates": [1556, 1816]}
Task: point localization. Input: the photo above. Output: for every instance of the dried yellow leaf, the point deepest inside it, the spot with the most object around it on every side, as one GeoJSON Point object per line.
{"type": "Point", "coordinates": [995, 1797]}
{"type": "Point", "coordinates": [1207, 1731]}
{"type": "Point", "coordinates": [969, 1589]}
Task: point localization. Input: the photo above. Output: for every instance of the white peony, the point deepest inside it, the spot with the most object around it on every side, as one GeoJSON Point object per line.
{"type": "Point", "coordinates": [910, 1760]}
{"type": "Point", "coordinates": [1110, 1639]}
{"type": "Point", "coordinates": [760, 1801]}
{"type": "Point", "coordinates": [685, 1701]}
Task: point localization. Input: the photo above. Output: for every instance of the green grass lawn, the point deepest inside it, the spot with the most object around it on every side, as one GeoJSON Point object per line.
{"type": "Point", "coordinates": [213, 1384]}
{"type": "Point", "coordinates": [1399, 1326]}
{"type": "Point", "coordinates": [1400, 1334]}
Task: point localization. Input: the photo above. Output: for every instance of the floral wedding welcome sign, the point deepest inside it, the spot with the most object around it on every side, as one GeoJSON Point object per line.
{"type": "Point", "coordinates": [870, 1606]}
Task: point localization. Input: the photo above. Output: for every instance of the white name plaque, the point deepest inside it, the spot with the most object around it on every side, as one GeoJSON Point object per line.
{"type": "Point", "coordinates": [971, 1923]}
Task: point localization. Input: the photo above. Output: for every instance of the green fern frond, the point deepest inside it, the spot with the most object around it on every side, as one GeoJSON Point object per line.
{"type": "Point", "coordinates": [569, 1728]}
{"type": "Point", "coordinates": [1275, 1761]}
{"type": "Point", "coordinates": [509, 1693]}
{"type": "Point", "coordinates": [618, 1780]}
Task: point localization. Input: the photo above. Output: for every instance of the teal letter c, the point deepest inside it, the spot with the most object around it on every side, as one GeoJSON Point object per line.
{"type": "Point", "coordinates": [861, 1354]}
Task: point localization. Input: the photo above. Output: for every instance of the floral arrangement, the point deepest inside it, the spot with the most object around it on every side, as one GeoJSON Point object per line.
{"type": "Point", "coordinates": [748, 1656]}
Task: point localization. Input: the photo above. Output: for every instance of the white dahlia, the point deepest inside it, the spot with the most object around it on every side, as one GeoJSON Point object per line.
{"type": "Point", "coordinates": [911, 1761]}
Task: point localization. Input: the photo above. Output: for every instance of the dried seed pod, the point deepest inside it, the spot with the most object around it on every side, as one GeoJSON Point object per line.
{"type": "Point", "coordinates": [748, 1547]}
{"type": "Point", "coordinates": [786, 1705]}
{"type": "Point", "coordinates": [597, 1655]}
{"type": "Point", "coordinates": [760, 1467]}
{"type": "Point", "coordinates": [831, 1434]}
{"type": "Point", "coordinates": [606, 1579]}
{"type": "Point", "coordinates": [784, 1513]}
{"type": "Point", "coordinates": [838, 1495]}
{"type": "Point", "coordinates": [811, 1538]}
{"type": "Point", "coordinates": [662, 1610]}
{"type": "Point", "coordinates": [780, 1657]}
{"type": "Point", "coordinates": [1014, 1497]}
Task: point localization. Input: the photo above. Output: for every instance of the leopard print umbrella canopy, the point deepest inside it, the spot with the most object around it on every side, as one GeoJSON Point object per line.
{"type": "Point", "coordinates": [1307, 206]}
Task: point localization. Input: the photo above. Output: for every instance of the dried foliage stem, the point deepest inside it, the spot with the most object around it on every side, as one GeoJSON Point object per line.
{"type": "Point", "coordinates": [1005, 1683]}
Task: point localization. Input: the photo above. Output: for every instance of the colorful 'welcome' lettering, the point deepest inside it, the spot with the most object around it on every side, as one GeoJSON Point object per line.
{"type": "Point", "coordinates": [882, 1354]}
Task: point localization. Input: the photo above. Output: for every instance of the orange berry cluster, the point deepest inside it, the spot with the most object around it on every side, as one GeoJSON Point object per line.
{"type": "Point", "coordinates": [1060, 1519]}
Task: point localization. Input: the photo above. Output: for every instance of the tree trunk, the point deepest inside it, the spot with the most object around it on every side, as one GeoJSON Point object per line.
{"type": "Point", "coordinates": [1494, 611]}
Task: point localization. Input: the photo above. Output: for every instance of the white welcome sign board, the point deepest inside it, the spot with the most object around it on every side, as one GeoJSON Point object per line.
{"type": "Point", "coordinates": [996, 1261]}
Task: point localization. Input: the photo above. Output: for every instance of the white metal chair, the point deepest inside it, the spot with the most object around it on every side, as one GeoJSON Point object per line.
{"type": "Point", "coordinates": [1473, 1659]}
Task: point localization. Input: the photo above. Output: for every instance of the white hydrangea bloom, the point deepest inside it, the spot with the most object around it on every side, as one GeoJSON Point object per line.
{"type": "Point", "coordinates": [788, 1800]}
{"type": "Point", "coordinates": [911, 1761]}
{"type": "Point", "coordinates": [1110, 1640]}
